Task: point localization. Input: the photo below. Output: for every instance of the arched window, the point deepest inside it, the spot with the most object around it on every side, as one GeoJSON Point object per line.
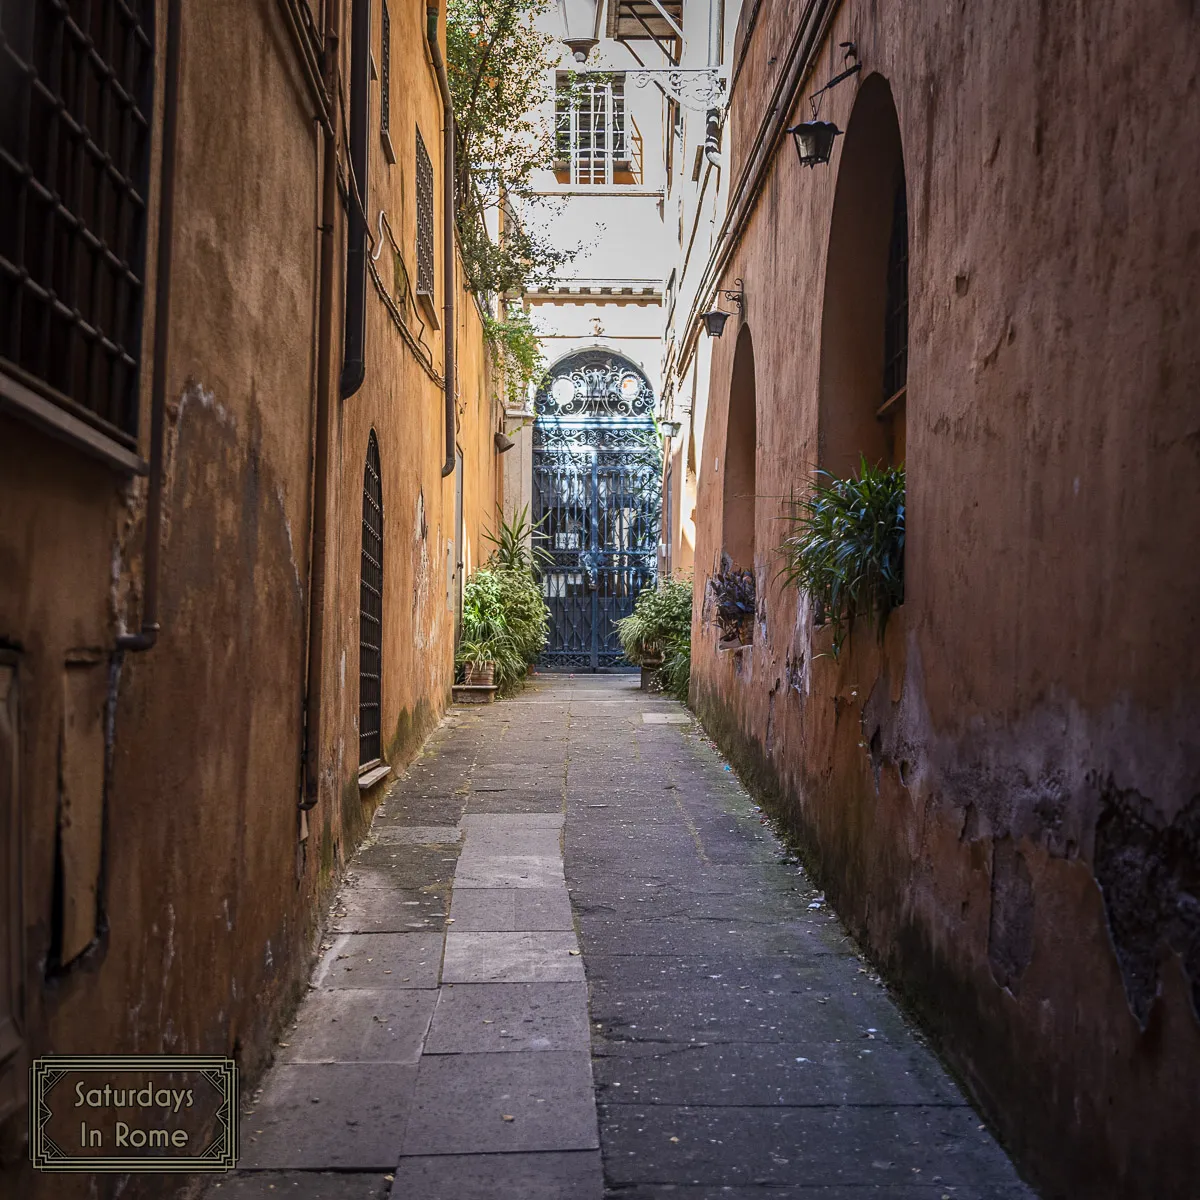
{"type": "Point", "coordinates": [370, 612]}
{"type": "Point", "coordinates": [864, 329]}
{"type": "Point", "coordinates": [738, 468]}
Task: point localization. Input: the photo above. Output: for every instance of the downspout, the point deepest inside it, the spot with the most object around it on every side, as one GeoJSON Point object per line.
{"type": "Point", "coordinates": [448, 260]}
{"type": "Point", "coordinates": [148, 635]}
{"type": "Point", "coordinates": [317, 570]}
{"type": "Point", "coordinates": [354, 362]}
{"type": "Point", "coordinates": [712, 124]}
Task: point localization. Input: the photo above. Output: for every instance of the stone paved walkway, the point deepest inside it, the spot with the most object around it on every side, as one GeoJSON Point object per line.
{"type": "Point", "coordinates": [735, 1045]}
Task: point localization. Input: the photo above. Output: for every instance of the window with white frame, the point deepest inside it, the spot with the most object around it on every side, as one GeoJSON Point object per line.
{"type": "Point", "coordinates": [595, 140]}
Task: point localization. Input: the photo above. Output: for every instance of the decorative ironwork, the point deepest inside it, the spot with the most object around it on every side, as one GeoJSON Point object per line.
{"type": "Point", "coordinates": [424, 220]}
{"type": "Point", "coordinates": [895, 355]}
{"type": "Point", "coordinates": [76, 93]}
{"type": "Point", "coordinates": [697, 88]}
{"type": "Point", "coordinates": [594, 383]}
{"type": "Point", "coordinates": [597, 475]}
{"type": "Point", "coordinates": [370, 612]}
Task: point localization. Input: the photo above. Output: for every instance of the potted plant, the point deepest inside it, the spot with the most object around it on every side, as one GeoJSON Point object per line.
{"type": "Point", "coordinates": [733, 598]}
{"type": "Point", "coordinates": [657, 636]}
{"type": "Point", "coordinates": [846, 548]}
{"type": "Point", "coordinates": [478, 662]}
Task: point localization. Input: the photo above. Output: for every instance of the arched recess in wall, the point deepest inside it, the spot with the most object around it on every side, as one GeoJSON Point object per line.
{"type": "Point", "coordinates": [370, 612]}
{"type": "Point", "coordinates": [739, 460]}
{"type": "Point", "coordinates": [864, 329]}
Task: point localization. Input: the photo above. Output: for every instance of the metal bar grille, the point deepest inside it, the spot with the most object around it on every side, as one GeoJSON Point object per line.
{"type": "Point", "coordinates": [598, 500]}
{"type": "Point", "coordinates": [424, 219]}
{"type": "Point", "coordinates": [370, 612]}
{"type": "Point", "coordinates": [76, 91]}
{"type": "Point", "coordinates": [590, 128]}
{"type": "Point", "coordinates": [385, 72]}
{"type": "Point", "coordinates": [895, 354]}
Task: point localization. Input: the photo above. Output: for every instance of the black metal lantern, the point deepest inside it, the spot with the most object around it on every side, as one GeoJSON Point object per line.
{"type": "Point", "coordinates": [714, 321]}
{"type": "Point", "coordinates": [580, 17]}
{"type": "Point", "coordinates": [814, 141]}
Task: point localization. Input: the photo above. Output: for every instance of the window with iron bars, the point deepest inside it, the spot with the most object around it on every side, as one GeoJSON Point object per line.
{"type": "Point", "coordinates": [592, 130]}
{"type": "Point", "coordinates": [895, 352]}
{"type": "Point", "coordinates": [76, 96]}
{"type": "Point", "coordinates": [370, 612]}
{"type": "Point", "coordinates": [385, 72]}
{"type": "Point", "coordinates": [424, 220]}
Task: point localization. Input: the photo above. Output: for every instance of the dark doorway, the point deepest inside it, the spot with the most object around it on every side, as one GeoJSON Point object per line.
{"type": "Point", "coordinates": [597, 491]}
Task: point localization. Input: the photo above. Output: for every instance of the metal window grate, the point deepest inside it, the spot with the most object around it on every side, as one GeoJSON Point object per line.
{"type": "Point", "coordinates": [424, 219]}
{"type": "Point", "coordinates": [895, 354]}
{"type": "Point", "coordinates": [76, 93]}
{"type": "Point", "coordinates": [590, 128]}
{"type": "Point", "coordinates": [385, 72]}
{"type": "Point", "coordinates": [370, 612]}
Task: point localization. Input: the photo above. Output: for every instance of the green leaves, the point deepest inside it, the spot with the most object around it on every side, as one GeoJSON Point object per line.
{"type": "Point", "coordinates": [504, 621]}
{"type": "Point", "coordinates": [500, 66]}
{"type": "Point", "coordinates": [846, 548]}
{"type": "Point", "coordinates": [518, 544]}
{"type": "Point", "coordinates": [660, 626]}
{"type": "Point", "coordinates": [516, 349]}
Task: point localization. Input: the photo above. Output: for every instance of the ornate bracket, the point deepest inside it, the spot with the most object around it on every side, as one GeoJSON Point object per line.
{"type": "Point", "coordinates": [698, 88]}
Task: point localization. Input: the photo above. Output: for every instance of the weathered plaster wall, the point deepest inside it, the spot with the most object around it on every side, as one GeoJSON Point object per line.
{"type": "Point", "coordinates": [1002, 800]}
{"type": "Point", "coordinates": [210, 885]}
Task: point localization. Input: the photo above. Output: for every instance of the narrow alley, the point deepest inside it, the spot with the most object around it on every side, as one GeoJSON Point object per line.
{"type": "Point", "coordinates": [718, 1034]}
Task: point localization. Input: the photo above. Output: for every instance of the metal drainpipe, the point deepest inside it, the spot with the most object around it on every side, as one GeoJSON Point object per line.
{"type": "Point", "coordinates": [448, 260]}
{"type": "Point", "coordinates": [712, 124]}
{"type": "Point", "coordinates": [148, 635]}
{"type": "Point", "coordinates": [354, 363]}
{"type": "Point", "coordinates": [313, 691]}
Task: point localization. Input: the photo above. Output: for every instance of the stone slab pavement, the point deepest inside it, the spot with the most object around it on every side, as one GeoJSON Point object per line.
{"type": "Point", "coordinates": [572, 962]}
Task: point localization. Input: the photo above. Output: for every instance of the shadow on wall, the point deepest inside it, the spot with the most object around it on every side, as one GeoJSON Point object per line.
{"type": "Point", "coordinates": [864, 328]}
{"type": "Point", "coordinates": [741, 443]}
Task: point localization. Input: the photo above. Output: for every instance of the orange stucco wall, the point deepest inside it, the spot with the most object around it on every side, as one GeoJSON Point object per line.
{"type": "Point", "coordinates": [211, 885]}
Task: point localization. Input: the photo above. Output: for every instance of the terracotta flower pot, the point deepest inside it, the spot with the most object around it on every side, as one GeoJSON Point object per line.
{"type": "Point", "coordinates": [480, 674]}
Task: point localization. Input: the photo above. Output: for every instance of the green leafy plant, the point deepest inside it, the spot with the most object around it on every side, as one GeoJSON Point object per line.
{"type": "Point", "coordinates": [504, 621]}
{"type": "Point", "coordinates": [516, 351]}
{"type": "Point", "coordinates": [500, 66]}
{"type": "Point", "coordinates": [659, 630]}
{"type": "Point", "coordinates": [518, 543]}
{"type": "Point", "coordinates": [733, 597]}
{"type": "Point", "coordinates": [846, 548]}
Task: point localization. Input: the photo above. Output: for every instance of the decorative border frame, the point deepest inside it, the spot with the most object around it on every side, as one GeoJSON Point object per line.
{"type": "Point", "coordinates": [220, 1154]}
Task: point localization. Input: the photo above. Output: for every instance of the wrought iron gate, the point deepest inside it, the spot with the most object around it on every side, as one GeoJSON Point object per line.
{"type": "Point", "coordinates": [597, 491]}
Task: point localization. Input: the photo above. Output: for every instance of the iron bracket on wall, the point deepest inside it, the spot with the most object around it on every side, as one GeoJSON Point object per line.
{"type": "Point", "coordinates": [697, 88]}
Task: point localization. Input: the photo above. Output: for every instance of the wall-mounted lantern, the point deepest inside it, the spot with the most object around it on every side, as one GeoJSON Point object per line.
{"type": "Point", "coordinates": [714, 320]}
{"type": "Point", "coordinates": [503, 442]}
{"type": "Point", "coordinates": [580, 18]}
{"type": "Point", "coordinates": [814, 139]}
{"type": "Point", "coordinates": [671, 428]}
